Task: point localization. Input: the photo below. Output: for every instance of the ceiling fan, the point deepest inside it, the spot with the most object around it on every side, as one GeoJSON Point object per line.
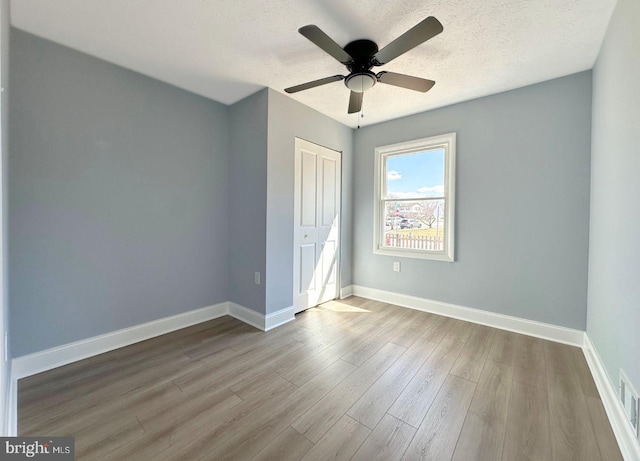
{"type": "Point", "coordinates": [360, 56]}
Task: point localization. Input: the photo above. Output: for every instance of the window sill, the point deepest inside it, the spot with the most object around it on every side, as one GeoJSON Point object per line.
{"type": "Point", "coordinates": [407, 253]}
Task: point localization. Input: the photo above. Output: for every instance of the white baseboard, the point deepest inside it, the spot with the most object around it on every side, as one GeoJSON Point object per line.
{"type": "Point", "coordinates": [261, 321]}
{"type": "Point", "coordinates": [248, 316]}
{"type": "Point", "coordinates": [503, 322]}
{"type": "Point", "coordinates": [278, 318]}
{"type": "Point", "coordinates": [12, 408]}
{"type": "Point", "coordinates": [346, 292]}
{"type": "Point", "coordinates": [627, 440]}
{"type": "Point", "coordinates": [48, 359]}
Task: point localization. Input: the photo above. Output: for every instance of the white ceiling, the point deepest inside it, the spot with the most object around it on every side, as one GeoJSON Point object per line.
{"type": "Point", "coordinates": [228, 49]}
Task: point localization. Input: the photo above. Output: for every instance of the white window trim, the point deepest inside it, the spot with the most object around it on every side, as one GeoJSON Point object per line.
{"type": "Point", "coordinates": [446, 141]}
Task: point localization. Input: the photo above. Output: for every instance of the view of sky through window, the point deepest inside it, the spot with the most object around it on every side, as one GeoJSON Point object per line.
{"type": "Point", "coordinates": [415, 175]}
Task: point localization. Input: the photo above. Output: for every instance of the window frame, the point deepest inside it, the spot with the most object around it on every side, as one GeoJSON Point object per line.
{"type": "Point", "coordinates": [444, 141]}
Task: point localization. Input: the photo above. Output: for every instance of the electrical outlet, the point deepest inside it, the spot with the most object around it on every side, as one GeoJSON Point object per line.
{"type": "Point", "coordinates": [630, 401]}
{"type": "Point", "coordinates": [256, 278]}
{"type": "Point", "coordinates": [396, 266]}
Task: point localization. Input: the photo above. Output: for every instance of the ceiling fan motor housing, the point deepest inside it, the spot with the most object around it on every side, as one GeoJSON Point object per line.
{"type": "Point", "coordinates": [361, 78]}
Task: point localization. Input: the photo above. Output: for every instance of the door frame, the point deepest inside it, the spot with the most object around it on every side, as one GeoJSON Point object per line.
{"type": "Point", "coordinates": [296, 217]}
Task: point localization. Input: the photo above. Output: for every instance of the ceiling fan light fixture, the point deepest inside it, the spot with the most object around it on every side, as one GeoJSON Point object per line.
{"type": "Point", "coordinates": [360, 81]}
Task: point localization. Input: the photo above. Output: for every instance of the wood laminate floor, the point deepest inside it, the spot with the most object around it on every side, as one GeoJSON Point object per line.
{"type": "Point", "coordinates": [355, 379]}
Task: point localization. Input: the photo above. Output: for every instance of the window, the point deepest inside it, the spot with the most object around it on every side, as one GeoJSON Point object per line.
{"type": "Point", "coordinates": [414, 198]}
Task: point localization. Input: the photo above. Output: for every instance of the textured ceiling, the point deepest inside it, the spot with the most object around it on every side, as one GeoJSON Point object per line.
{"type": "Point", "coordinates": [228, 49]}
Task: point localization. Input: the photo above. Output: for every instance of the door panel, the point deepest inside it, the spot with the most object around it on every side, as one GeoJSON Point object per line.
{"type": "Point", "coordinates": [307, 268]}
{"type": "Point", "coordinates": [317, 224]}
{"type": "Point", "coordinates": [308, 191]}
{"type": "Point", "coordinates": [328, 191]}
{"type": "Point", "coordinates": [328, 259]}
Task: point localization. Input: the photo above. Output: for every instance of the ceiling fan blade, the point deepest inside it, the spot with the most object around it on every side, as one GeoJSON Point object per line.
{"type": "Point", "coordinates": [322, 40]}
{"type": "Point", "coordinates": [313, 84]}
{"type": "Point", "coordinates": [355, 102]}
{"type": "Point", "coordinates": [420, 33]}
{"type": "Point", "coordinates": [406, 81]}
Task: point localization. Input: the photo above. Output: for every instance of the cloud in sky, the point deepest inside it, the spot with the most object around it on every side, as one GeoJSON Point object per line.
{"type": "Point", "coordinates": [391, 194]}
{"type": "Point", "coordinates": [421, 192]}
{"type": "Point", "coordinates": [394, 175]}
{"type": "Point", "coordinates": [435, 191]}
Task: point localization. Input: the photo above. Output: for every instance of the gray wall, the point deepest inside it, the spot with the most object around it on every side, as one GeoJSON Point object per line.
{"type": "Point", "coordinates": [522, 210]}
{"type": "Point", "coordinates": [248, 200]}
{"type": "Point", "coordinates": [118, 197]}
{"type": "Point", "coordinates": [4, 153]}
{"type": "Point", "coordinates": [614, 246]}
{"type": "Point", "coordinates": [289, 119]}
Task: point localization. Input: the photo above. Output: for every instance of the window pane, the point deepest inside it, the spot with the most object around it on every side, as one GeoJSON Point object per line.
{"type": "Point", "coordinates": [416, 175]}
{"type": "Point", "coordinates": [418, 225]}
